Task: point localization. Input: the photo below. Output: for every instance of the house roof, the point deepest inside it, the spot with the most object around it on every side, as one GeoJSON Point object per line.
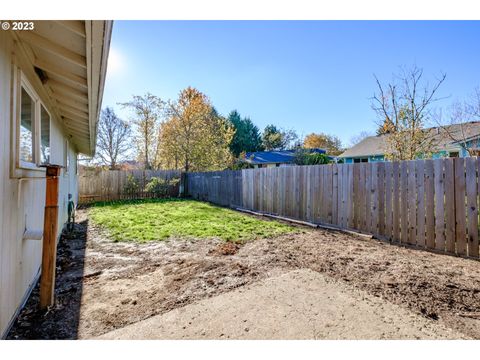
{"type": "Point", "coordinates": [372, 145]}
{"type": "Point", "coordinates": [274, 156]}
{"type": "Point", "coordinates": [443, 138]}
{"type": "Point", "coordinates": [70, 60]}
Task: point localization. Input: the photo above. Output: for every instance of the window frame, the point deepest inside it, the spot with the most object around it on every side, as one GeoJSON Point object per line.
{"type": "Point", "coordinates": [40, 133]}
{"type": "Point", "coordinates": [25, 85]}
{"type": "Point", "coordinates": [20, 82]}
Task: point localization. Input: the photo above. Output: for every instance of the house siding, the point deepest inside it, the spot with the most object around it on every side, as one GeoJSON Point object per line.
{"type": "Point", "coordinates": [371, 158]}
{"type": "Point", "coordinates": [437, 155]}
{"type": "Point", "coordinates": [20, 260]}
{"type": "Point", "coordinates": [473, 144]}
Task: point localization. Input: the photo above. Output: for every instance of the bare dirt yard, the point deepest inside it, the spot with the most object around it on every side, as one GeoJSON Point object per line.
{"type": "Point", "coordinates": [104, 285]}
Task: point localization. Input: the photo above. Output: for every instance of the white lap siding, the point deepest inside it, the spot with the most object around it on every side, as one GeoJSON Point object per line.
{"type": "Point", "coordinates": [20, 260]}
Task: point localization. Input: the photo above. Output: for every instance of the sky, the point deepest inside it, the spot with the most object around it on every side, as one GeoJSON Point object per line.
{"type": "Point", "coordinates": [310, 76]}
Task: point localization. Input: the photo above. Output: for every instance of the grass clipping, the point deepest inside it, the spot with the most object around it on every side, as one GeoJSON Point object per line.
{"type": "Point", "coordinates": [150, 220]}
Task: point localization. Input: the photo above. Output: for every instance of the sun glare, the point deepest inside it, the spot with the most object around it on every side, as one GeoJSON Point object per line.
{"type": "Point", "coordinates": [115, 62]}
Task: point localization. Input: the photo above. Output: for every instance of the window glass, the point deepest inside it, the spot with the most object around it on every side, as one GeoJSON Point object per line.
{"type": "Point", "coordinates": [45, 136]}
{"type": "Point", "coordinates": [27, 116]}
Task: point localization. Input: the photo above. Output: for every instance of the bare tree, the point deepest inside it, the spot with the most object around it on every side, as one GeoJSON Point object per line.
{"type": "Point", "coordinates": [473, 106]}
{"type": "Point", "coordinates": [113, 138]}
{"type": "Point", "coordinates": [148, 110]}
{"type": "Point", "coordinates": [354, 140]}
{"type": "Point", "coordinates": [403, 108]}
{"type": "Point", "coordinates": [458, 126]}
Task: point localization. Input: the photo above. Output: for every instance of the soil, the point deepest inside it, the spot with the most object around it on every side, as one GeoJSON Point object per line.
{"type": "Point", "coordinates": [299, 304]}
{"type": "Point", "coordinates": [102, 285]}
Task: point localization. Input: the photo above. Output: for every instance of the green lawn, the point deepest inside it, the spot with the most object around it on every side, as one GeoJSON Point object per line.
{"type": "Point", "coordinates": [149, 220]}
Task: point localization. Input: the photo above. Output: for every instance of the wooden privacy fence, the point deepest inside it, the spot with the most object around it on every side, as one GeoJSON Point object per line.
{"type": "Point", "coordinates": [219, 187]}
{"type": "Point", "coordinates": [107, 185]}
{"type": "Point", "coordinates": [431, 204]}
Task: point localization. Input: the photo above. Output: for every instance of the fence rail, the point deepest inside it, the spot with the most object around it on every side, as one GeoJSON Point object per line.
{"type": "Point", "coordinates": [431, 204]}
{"type": "Point", "coordinates": [107, 185]}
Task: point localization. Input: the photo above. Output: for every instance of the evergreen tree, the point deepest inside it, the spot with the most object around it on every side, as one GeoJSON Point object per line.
{"type": "Point", "coordinates": [247, 135]}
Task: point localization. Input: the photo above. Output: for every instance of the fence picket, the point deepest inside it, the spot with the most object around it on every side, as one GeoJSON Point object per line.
{"type": "Point", "coordinates": [438, 166]}
{"type": "Point", "coordinates": [429, 205]}
{"type": "Point", "coordinates": [460, 214]}
{"type": "Point", "coordinates": [335, 194]}
{"type": "Point", "coordinates": [396, 211]}
{"type": "Point", "coordinates": [404, 202]}
{"type": "Point", "coordinates": [472, 200]}
{"type": "Point", "coordinates": [381, 199]}
{"type": "Point", "coordinates": [328, 183]}
{"type": "Point", "coordinates": [449, 206]}
{"type": "Point", "coordinates": [368, 197]}
{"type": "Point", "coordinates": [420, 187]}
{"type": "Point", "coordinates": [388, 232]}
{"type": "Point", "coordinates": [362, 198]}
{"type": "Point", "coordinates": [412, 204]}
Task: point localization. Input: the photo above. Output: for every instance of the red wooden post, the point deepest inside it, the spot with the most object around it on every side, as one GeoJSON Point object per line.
{"type": "Point", "coordinates": [49, 250]}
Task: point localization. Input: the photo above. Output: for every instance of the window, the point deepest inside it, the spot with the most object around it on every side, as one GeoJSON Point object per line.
{"type": "Point", "coordinates": [454, 154]}
{"type": "Point", "coordinates": [44, 136]}
{"type": "Point", "coordinates": [27, 121]}
{"type": "Point", "coordinates": [32, 131]}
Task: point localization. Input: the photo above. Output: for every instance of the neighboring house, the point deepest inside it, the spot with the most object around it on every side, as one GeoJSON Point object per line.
{"type": "Point", "coordinates": [274, 158]}
{"type": "Point", "coordinates": [51, 86]}
{"type": "Point", "coordinates": [449, 141]}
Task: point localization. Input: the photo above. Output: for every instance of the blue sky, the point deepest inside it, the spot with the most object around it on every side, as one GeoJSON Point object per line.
{"type": "Point", "coordinates": [311, 76]}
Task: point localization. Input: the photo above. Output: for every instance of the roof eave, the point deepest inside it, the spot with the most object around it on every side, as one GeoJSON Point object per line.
{"type": "Point", "coordinates": [98, 37]}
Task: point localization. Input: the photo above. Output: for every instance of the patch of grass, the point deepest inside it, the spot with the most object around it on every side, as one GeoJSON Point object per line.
{"type": "Point", "coordinates": [149, 220]}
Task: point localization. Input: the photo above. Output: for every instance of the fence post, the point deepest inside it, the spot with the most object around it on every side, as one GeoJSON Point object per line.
{"type": "Point", "coordinates": [49, 245]}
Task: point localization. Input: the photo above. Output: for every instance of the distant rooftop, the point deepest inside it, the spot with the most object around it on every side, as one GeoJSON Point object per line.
{"type": "Point", "coordinates": [275, 156]}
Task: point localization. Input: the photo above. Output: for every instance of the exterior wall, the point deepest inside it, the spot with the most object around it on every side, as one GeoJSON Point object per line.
{"type": "Point", "coordinates": [255, 166]}
{"type": "Point", "coordinates": [376, 158]}
{"type": "Point", "coordinates": [440, 154]}
{"type": "Point", "coordinates": [475, 144]}
{"type": "Point", "coordinates": [437, 155]}
{"type": "Point", "coordinates": [23, 201]}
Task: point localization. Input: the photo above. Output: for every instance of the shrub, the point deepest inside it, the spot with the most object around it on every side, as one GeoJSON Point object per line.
{"type": "Point", "coordinates": [305, 157]}
{"type": "Point", "coordinates": [160, 187]}
{"type": "Point", "coordinates": [317, 159]}
{"type": "Point", "coordinates": [131, 186]}
{"type": "Point", "coordinates": [239, 165]}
